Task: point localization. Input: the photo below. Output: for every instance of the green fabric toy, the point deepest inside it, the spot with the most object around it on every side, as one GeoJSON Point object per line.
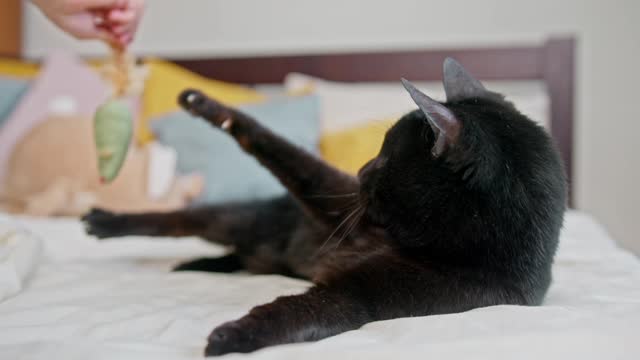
{"type": "Point", "coordinates": [113, 127]}
{"type": "Point", "coordinates": [113, 122]}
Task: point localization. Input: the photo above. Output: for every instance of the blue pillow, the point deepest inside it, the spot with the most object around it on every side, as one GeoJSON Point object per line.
{"type": "Point", "coordinates": [230, 173]}
{"type": "Point", "coordinates": [11, 90]}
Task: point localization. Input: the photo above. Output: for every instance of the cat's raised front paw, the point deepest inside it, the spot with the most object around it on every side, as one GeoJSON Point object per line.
{"type": "Point", "coordinates": [198, 104]}
{"type": "Point", "coordinates": [193, 101]}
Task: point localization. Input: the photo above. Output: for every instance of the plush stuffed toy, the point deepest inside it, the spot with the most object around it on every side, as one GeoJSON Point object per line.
{"type": "Point", "coordinates": [66, 164]}
{"type": "Point", "coordinates": [47, 176]}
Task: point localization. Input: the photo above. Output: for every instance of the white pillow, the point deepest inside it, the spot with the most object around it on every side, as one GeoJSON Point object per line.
{"type": "Point", "coordinates": [345, 105]}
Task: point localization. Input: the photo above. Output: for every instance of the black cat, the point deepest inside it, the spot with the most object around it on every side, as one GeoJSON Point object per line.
{"type": "Point", "coordinates": [461, 209]}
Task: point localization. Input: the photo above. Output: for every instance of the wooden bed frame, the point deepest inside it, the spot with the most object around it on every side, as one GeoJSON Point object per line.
{"type": "Point", "coordinates": [551, 62]}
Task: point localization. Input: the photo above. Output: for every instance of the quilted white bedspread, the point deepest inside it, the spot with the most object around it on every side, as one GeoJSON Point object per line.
{"type": "Point", "coordinates": [117, 300]}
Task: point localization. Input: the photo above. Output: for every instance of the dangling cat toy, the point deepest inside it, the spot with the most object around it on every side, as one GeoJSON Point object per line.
{"type": "Point", "coordinates": [113, 121]}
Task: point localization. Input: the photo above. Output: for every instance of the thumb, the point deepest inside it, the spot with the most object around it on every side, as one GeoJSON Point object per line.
{"type": "Point", "coordinates": [82, 26]}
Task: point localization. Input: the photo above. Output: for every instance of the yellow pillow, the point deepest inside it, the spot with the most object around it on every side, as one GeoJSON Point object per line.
{"type": "Point", "coordinates": [17, 68]}
{"type": "Point", "coordinates": [349, 149]}
{"type": "Point", "coordinates": [167, 80]}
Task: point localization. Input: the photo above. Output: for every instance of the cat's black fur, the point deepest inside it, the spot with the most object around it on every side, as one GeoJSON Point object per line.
{"type": "Point", "coordinates": [461, 209]}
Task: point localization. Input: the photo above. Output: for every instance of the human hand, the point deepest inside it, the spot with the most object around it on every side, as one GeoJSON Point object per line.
{"type": "Point", "coordinates": [114, 21]}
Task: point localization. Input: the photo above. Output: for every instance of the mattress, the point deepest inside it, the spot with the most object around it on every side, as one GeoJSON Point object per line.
{"type": "Point", "coordinates": [116, 299]}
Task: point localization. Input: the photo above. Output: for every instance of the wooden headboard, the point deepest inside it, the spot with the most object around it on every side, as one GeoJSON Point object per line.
{"type": "Point", "coordinates": [11, 28]}
{"type": "Point", "coordinates": [551, 62]}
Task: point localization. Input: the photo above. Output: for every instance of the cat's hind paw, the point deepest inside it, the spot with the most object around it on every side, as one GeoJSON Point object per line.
{"type": "Point", "coordinates": [103, 224]}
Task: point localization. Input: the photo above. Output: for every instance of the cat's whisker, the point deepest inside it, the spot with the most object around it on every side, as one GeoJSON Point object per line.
{"type": "Point", "coordinates": [350, 205]}
{"type": "Point", "coordinates": [347, 206]}
{"type": "Point", "coordinates": [351, 226]}
{"type": "Point", "coordinates": [330, 196]}
{"type": "Point", "coordinates": [344, 221]}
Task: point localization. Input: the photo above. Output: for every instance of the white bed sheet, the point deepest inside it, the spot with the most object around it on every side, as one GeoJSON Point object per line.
{"type": "Point", "coordinates": [117, 300]}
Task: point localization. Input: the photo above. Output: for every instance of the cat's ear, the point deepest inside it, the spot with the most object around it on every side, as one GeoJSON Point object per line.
{"type": "Point", "coordinates": [443, 122]}
{"type": "Point", "coordinates": [459, 84]}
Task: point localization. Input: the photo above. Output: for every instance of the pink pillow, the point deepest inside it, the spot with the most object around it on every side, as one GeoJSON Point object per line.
{"type": "Point", "coordinates": [65, 86]}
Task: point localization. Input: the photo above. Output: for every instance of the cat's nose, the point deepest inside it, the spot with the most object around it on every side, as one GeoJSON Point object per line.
{"type": "Point", "coordinates": [365, 170]}
{"type": "Point", "coordinates": [370, 167]}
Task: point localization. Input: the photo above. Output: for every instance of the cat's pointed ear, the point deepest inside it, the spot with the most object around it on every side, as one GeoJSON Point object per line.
{"type": "Point", "coordinates": [459, 84]}
{"type": "Point", "coordinates": [443, 122]}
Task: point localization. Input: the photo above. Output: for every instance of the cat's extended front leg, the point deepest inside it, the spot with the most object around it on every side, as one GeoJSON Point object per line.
{"type": "Point", "coordinates": [381, 287]}
{"type": "Point", "coordinates": [320, 188]}
{"type": "Point", "coordinates": [317, 314]}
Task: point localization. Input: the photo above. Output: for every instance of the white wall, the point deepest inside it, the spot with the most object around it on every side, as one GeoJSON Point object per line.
{"type": "Point", "coordinates": [608, 116]}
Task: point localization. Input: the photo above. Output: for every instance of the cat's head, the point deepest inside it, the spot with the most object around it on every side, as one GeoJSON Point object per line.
{"type": "Point", "coordinates": [455, 161]}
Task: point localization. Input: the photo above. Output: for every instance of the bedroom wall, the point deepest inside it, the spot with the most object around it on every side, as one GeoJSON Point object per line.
{"type": "Point", "coordinates": [608, 118]}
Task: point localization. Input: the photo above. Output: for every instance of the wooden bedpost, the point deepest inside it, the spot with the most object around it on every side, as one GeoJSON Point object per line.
{"type": "Point", "coordinates": [559, 73]}
{"type": "Point", "coordinates": [11, 28]}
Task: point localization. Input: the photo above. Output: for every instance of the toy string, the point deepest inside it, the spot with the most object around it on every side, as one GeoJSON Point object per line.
{"type": "Point", "coordinates": [121, 77]}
